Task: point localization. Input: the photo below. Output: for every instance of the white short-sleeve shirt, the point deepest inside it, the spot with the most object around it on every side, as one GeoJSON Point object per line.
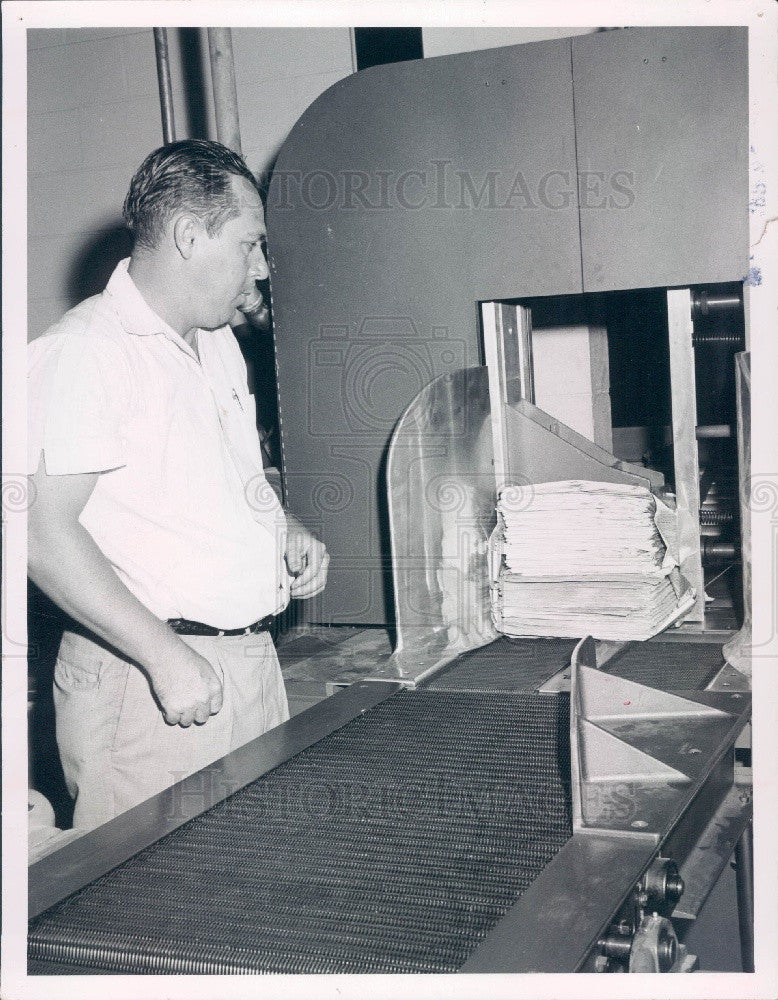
{"type": "Point", "coordinates": [181, 508]}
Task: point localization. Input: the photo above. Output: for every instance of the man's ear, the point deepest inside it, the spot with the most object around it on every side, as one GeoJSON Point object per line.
{"type": "Point", "coordinates": [185, 228]}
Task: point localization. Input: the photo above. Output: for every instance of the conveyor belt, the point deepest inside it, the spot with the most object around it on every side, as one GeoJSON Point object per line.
{"type": "Point", "coordinates": [505, 665]}
{"type": "Point", "coordinates": [393, 845]}
{"type": "Point", "coordinates": [669, 666]}
{"type": "Point", "coordinates": [516, 665]}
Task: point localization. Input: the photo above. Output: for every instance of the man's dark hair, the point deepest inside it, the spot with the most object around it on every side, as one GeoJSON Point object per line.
{"type": "Point", "coordinates": [194, 175]}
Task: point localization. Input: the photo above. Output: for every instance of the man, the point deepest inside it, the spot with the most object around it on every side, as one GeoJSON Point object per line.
{"type": "Point", "coordinates": [153, 526]}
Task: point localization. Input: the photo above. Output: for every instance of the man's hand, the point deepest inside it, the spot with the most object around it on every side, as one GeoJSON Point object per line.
{"type": "Point", "coordinates": [188, 689]}
{"type": "Point", "coordinates": [307, 560]}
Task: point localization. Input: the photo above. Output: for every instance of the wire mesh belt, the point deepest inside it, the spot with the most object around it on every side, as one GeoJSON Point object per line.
{"type": "Point", "coordinates": [670, 666]}
{"type": "Point", "coordinates": [392, 845]}
{"type": "Point", "coordinates": [506, 665]}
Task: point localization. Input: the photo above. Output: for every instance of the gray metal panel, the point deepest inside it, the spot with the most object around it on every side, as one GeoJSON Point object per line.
{"type": "Point", "coordinates": [670, 107]}
{"type": "Point", "coordinates": [541, 449]}
{"type": "Point", "coordinates": [376, 272]}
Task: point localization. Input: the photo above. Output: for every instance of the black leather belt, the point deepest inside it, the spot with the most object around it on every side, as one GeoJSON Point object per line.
{"type": "Point", "coordinates": [185, 627]}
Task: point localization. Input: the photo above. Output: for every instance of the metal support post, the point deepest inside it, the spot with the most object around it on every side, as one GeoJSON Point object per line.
{"type": "Point", "coordinates": [165, 88]}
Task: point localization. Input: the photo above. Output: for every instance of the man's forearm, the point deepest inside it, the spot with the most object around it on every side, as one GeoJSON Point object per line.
{"type": "Point", "coordinates": [68, 566]}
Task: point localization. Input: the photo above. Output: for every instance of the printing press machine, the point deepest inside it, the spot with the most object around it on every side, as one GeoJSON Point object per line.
{"type": "Point", "coordinates": [475, 803]}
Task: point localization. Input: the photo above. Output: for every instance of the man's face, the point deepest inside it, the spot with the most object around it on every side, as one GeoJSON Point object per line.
{"type": "Point", "coordinates": [228, 263]}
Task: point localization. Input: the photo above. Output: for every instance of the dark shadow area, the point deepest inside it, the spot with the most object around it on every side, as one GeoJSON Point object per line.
{"type": "Point", "coordinates": [45, 623]}
{"type": "Point", "coordinates": [377, 46]}
{"type": "Point", "coordinates": [195, 120]}
{"type": "Point", "coordinates": [258, 347]}
{"type": "Point", "coordinates": [719, 334]}
{"type": "Point", "coordinates": [385, 542]}
{"type": "Point", "coordinates": [95, 262]}
{"type": "Point", "coordinates": [639, 357]}
{"type": "Point", "coordinates": [259, 354]}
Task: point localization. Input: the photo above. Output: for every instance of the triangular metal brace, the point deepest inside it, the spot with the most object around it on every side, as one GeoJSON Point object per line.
{"type": "Point", "coordinates": [604, 757]}
{"type": "Point", "coordinates": [598, 756]}
{"type": "Point", "coordinates": [604, 697]}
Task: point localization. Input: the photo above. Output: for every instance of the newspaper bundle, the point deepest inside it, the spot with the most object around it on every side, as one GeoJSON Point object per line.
{"type": "Point", "coordinates": [577, 558]}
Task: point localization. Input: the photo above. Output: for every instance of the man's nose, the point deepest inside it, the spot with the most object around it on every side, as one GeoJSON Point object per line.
{"type": "Point", "coordinates": [258, 269]}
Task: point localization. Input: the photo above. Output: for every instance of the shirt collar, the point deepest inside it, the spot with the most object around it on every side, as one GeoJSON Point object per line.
{"type": "Point", "coordinates": [135, 314]}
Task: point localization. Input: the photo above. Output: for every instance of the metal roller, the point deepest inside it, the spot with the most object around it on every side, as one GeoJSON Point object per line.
{"type": "Point", "coordinates": [709, 303]}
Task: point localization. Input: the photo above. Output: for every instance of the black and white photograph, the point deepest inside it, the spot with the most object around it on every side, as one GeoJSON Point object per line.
{"type": "Point", "coordinates": [389, 526]}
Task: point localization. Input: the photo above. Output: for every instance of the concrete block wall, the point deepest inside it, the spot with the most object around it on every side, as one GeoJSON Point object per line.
{"type": "Point", "coordinates": [90, 120]}
{"type": "Point", "coordinates": [279, 73]}
{"type": "Point", "coordinates": [93, 114]}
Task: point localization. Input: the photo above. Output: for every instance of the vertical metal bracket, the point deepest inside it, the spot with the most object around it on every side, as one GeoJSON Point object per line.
{"type": "Point", "coordinates": [687, 473]}
{"type": "Point", "coordinates": [507, 331]}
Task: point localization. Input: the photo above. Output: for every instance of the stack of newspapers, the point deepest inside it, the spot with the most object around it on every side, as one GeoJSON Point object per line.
{"type": "Point", "coordinates": [577, 558]}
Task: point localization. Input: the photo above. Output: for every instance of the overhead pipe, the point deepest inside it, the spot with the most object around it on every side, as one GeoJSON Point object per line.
{"type": "Point", "coordinates": [225, 100]}
{"type": "Point", "coordinates": [225, 94]}
{"type": "Point", "coordinates": [165, 88]}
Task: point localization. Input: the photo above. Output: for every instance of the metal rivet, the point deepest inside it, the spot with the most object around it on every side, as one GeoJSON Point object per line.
{"type": "Point", "coordinates": [639, 824]}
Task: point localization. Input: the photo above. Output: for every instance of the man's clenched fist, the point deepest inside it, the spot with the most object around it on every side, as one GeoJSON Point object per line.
{"type": "Point", "coordinates": [187, 688]}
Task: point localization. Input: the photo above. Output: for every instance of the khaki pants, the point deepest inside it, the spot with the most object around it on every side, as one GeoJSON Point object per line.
{"type": "Point", "coordinates": [115, 746]}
